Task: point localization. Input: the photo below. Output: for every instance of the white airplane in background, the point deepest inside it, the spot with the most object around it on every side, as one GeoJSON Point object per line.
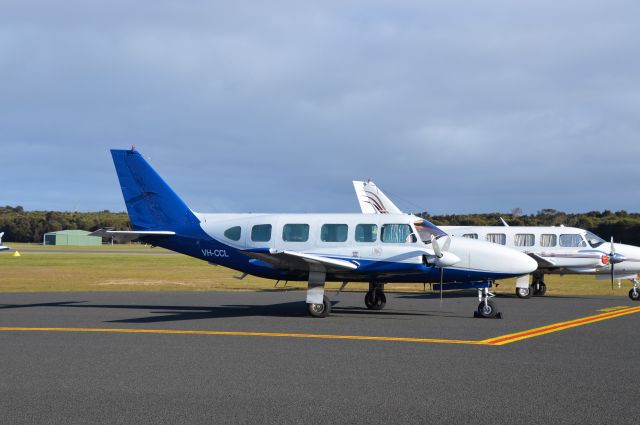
{"type": "Point", "coordinates": [556, 249]}
{"type": "Point", "coordinates": [2, 247]}
{"type": "Point", "coordinates": [311, 247]}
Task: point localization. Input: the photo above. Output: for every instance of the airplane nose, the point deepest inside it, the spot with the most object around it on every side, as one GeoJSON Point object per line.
{"type": "Point", "coordinates": [523, 264]}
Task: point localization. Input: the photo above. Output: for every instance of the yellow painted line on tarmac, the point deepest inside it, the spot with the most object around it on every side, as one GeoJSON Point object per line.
{"type": "Point", "coordinates": [557, 327]}
{"type": "Point", "coordinates": [234, 333]}
{"type": "Point", "coordinates": [497, 341]}
{"type": "Point", "coordinates": [619, 307]}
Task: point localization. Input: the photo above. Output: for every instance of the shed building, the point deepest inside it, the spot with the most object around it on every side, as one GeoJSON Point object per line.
{"type": "Point", "coordinates": [71, 237]}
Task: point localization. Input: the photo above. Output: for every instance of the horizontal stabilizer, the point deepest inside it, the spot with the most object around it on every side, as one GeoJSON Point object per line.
{"type": "Point", "coordinates": [129, 235]}
{"type": "Point", "coordinates": [292, 260]}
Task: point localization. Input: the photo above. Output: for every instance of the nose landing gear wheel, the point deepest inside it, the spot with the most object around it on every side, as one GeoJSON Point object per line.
{"type": "Point", "coordinates": [487, 309]}
{"type": "Point", "coordinates": [539, 289]}
{"type": "Point", "coordinates": [524, 292]}
{"type": "Point", "coordinates": [320, 310]}
{"type": "Point", "coordinates": [375, 300]}
{"type": "Point", "coordinates": [634, 294]}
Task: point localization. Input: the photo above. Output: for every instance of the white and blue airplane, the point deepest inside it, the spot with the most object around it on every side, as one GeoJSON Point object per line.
{"type": "Point", "coordinates": [557, 249]}
{"type": "Point", "coordinates": [2, 247]}
{"type": "Point", "coordinates": [312, 247]}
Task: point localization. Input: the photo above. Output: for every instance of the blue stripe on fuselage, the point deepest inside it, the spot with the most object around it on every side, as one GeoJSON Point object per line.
{"type": "Point", "coordinates": [193, 241]}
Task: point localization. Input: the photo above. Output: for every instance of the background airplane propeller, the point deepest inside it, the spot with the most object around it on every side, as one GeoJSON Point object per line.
{"type": "Point", "coordinates": [614, 259]}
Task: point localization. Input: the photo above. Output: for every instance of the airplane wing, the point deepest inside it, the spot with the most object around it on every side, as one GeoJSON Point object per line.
{"type": "Point", "coordinates": [545, 259]}
{"type": "Point", "coordinates": [293, 260]}
{"type": "Point", "coordinates": [542, 262]}
{"type": "Point", "coordinates": [130, 235]}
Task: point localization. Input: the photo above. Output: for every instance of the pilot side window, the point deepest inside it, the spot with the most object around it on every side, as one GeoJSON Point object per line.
{"type": "Point", "coordinates": [499, 238]}
{"type": "Point", "coordinates": [572, 241]}
{"type": "Point", "coordinates": [261, 233]}
{"type": "Point", "coordinates": [548, 239]}
{"type": "Point", "coordinates": [470, 235]}
{"type": "Point", "coordinates": [233, 233]}
{"type": "Point", "coordinates": [395, 233]}
{"type": "Point", "coordinates": [524, 239]}
{"type": "Point", "coordinates": [366, 233]}
{"type": "Point", "coordinates": [334, 232]}
{"type": "Point", "coordinates": [295, 233]}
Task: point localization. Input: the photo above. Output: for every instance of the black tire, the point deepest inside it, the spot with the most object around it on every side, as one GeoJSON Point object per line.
{"type": "Point", "coordinates": [488, 310]}
{"type": "Point", "coordinates": [524, 292]}
{"type": "Point", "coordinates": [379, 301]}
{"type": "Point", "coordinates": [320, 310]}
{"type": "Point", "coordinates": [635, 295]}
{"type": "Point", "coordinates": [368, 299]}
{"type": "Point", "coordinates": [375, 300]}
{"type": "Point", "coordinates": [540, 289]}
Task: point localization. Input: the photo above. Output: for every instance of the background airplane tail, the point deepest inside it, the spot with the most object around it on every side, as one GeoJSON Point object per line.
{"type": "Point", "coordinates": [151, 203]}
{"type": "Point", "coordinates": [372, 200]}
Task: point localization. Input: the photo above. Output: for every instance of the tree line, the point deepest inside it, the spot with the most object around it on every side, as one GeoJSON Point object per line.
{"type": "Point", "coordinates": [19, 225]}
{"type": "Point", "coordinates": [30, 226]}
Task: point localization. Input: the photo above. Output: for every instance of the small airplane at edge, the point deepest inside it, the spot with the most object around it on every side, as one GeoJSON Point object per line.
{"type": "Point", "coordinates": [3, 247]}
{"type": "Point", "coordinates": [556, 249]}
{"type": "Point", "coordinates": [312, 247]}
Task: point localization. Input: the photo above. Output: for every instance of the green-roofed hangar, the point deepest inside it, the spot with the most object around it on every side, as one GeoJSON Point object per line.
{"type": "Point", "coordinates": [71, 238]}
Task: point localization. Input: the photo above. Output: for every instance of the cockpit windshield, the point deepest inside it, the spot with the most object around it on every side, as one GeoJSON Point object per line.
{"type": "Point", "coordinates": [594, 240]}
{"type": "Point", "coordinates": [426, 229]}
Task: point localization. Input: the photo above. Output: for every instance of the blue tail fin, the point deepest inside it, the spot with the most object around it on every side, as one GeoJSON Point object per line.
{"type": "Point", "coordinates": [151, 203]}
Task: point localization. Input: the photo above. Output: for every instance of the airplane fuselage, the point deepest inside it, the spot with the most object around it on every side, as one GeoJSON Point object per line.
{"type": "Point", "coordinates": [380, 247]}
{"type": "Point", "coordinates": [568, 250]}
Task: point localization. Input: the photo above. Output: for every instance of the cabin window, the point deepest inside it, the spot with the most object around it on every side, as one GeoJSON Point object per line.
{"type": "Point", "coordinates": [261, 233]}
{"type": "Point", "coordinates": [524, 239]}
{"type": "Point", "coordinates": [470, 235]}
{"type": "Point", "coordinates": [396, 233]}
{"type": "Point", "coordinates": [366, 233]}
{"type": "Point", "coordinates": [571, 240]}
{"type": "Point", "coordinates": [295, 233]}
{"type": "Point", "coordinates": [499, 238]}
{"type": "Point", "coordinates": [334, 232]}
{"type": "Point", "coordinates": [548, 239]}
{"type": "Point", "coordinates": [233, 233]}
{"type": "Point", "coordinates": [594, 240]}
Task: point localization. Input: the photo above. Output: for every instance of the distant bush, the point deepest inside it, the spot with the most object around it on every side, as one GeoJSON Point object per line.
{"type": "Point", "coordinates": [30, 226]}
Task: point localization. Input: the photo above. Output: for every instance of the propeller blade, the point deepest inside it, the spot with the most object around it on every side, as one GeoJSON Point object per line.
{"type": "Point", "coordinates": [436, 247]}
{"type": "Point", "coordinates": [447, 243]}
{"type": "Point", "coordinates": [441, 282]}
{"type": "Point", "coordinates": [612, 276]}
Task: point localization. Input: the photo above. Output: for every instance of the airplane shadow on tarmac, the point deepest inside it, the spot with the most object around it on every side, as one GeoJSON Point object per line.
{"type": "Point", "coordinates": [173, 313]}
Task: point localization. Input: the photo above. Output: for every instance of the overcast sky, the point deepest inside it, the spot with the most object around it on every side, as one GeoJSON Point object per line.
{"type": "Point", "coordinates": [450, 106]}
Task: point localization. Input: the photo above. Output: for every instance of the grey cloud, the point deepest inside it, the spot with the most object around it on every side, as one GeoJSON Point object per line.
{"type": "Point", "coordinates": [277, 106]}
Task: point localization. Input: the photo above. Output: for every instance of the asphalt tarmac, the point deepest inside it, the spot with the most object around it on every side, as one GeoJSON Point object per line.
{"type": "Point", "coordinates": [89, 362]}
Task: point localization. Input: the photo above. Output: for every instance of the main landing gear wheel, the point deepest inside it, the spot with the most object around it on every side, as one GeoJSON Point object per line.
{"type": "Point", "coordinates": [634, 294]}
{"type": "Point", "coordinates": [375, 300]}
{"type": "Point", "coordinates": [524, 292]}
{"type": "Point", "coordinates": [320, 310]}
{"type": "Point", "coordinates": [539, 289]}
{"type": "Point", "coordinates": [487, 309]}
